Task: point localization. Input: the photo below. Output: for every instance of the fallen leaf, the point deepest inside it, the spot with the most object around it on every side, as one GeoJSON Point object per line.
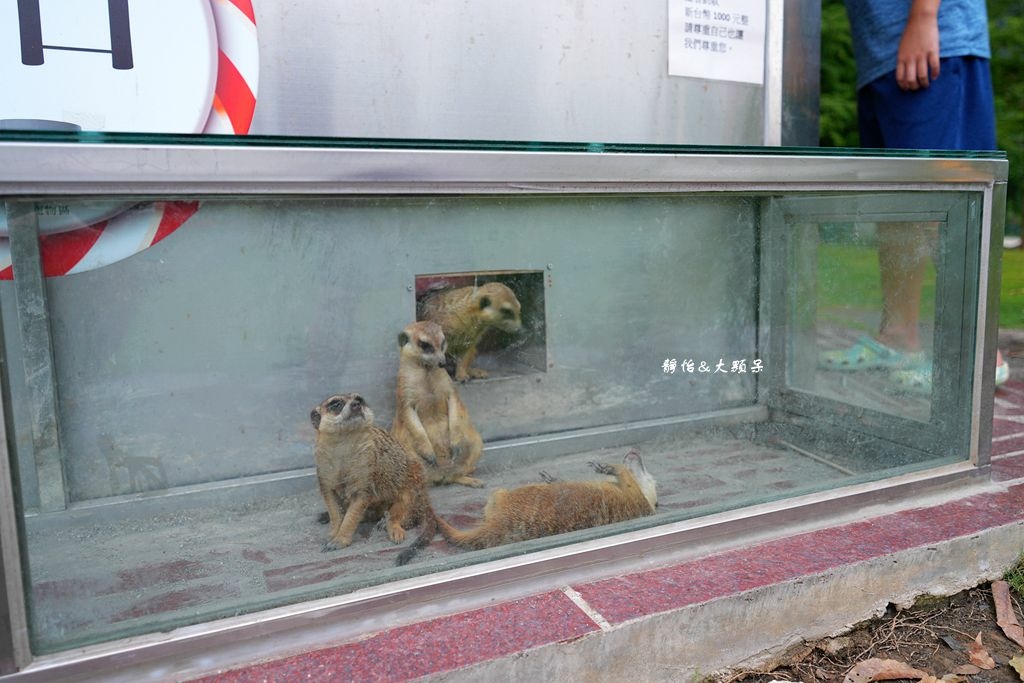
{"type": "Point", "coordinates": [950, 678]}
{"type": "Point", "coordinates": [882, 670]}
{"type": "Point", "coordinates": [1005, 616]}
{"type": "Point", "coordinates": [1018, 665]}
{"type": "Point", "coordinates": [966, 670]}
{"type": "Point", "coordinates": [978, 655]}
{"type": "Point", "coordinates": [929, 679]}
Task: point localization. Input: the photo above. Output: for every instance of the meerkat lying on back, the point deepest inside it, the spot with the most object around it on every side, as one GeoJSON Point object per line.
{"type": "Point", "coordinates": [364, 473]}
{"type": "Point", "coordinates": [430, 419]}
{"type": "Point", "coordinates": [465, 314]}
{"type": "Point", "coordinates": [556, 507]}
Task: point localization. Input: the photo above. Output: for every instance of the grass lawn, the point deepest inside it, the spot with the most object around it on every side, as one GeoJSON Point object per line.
{"type": "Point", "coordinates": [848, 281]}
{"type": "Point", "coordinates": [849, 290]}
{"type": "Point", "coordinates": [1011, 294]}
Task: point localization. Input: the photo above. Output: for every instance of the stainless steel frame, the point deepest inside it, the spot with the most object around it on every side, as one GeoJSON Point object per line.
{"type": "Point", "coordinates": [801, 66]}
{"type": "Point", "coordinates": [531, 71]}
{"type": "Point", "coordinates": [773, 86]}
{"type": "Point", "coordinates": [35, 170]}
{"type": "Point", "coordinates": [31, 169]}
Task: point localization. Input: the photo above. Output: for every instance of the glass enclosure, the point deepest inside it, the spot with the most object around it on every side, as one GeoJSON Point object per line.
{"type": "Point", "coordinates": [164, 403]}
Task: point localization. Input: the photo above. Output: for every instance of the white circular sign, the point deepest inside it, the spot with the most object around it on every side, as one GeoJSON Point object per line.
{"type": "Point", "coordinates": [109, 65]}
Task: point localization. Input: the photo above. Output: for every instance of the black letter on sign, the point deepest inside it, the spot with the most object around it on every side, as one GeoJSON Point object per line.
{"type": "Point", "coordinates": [32, 35]}
{"type": "Point", "coordinates": [31, 32]}
{"type": "Point", "coordinates": [120, 34]}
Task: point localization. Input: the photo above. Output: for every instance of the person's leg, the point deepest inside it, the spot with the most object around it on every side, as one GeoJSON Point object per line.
{"type": "Point", "coordinates": [903, 252]}
{"type": "Point", "coordinates": [903, 249]}
{"type": "Point", "coordinates": [955, 112]}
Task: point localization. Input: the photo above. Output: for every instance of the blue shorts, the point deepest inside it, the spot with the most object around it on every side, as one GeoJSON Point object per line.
{"type": "Point", "coordinates": [955, 112]}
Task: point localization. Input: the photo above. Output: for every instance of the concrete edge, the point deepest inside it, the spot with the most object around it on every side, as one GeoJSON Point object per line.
{"type": "Point", "coordinates": [753, 629]}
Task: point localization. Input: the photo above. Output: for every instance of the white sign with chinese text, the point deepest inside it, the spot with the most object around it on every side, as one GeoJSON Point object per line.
{"type": "Point", "coordinates": [721, 40]}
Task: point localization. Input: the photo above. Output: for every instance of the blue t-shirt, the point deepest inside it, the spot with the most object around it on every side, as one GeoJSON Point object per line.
{"type": "Point", "coordinates": [877, 26]}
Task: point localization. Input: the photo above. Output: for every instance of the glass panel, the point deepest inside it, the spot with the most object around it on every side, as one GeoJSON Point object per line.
{"type": "Point", "coordinates": [876, 296]}
{"type": "Point", "coordinates": [195, 378]}
{"type": "Point", "coordinates": [96, 137]}
{"type": "Point", "coordinates": [866, 291]}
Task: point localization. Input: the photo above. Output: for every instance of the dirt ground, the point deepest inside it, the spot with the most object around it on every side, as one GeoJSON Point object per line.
{"type": "Point", "coordinates": [931, 636]}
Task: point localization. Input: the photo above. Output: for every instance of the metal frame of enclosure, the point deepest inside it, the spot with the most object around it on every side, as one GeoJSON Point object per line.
{"type": "Point", "coordinates": [136, 169]}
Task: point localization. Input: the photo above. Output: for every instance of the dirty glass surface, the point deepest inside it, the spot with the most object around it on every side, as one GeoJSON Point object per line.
{"type": "Point", "coordinates": [869, 289]}
{"type": "Point", "coordinates": [878, 291]}
{"type": "Point", "coordinates": [190, 376]}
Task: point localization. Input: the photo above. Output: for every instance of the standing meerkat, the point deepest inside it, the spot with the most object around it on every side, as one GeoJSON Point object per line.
{"type": "Point", "coordinates": [364, 473]}
{"type": "Point", "coordinates": [556, 507]}
{"type": "Point", "coordinates": [430, 419]}
{"type": "Point", "coordinates": [465, 314]}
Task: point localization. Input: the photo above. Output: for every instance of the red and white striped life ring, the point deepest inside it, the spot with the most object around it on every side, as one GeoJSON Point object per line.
{"type": "Point", "coordinates": [139, 227]}
{"type": "Point", "coordinates": [238, 67]}
{"type": "Point", "coordinates": [106, 242]}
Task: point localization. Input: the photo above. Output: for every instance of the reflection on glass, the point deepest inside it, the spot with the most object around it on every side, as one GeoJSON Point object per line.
{"type": "Point", "coordinates": [866, 306]}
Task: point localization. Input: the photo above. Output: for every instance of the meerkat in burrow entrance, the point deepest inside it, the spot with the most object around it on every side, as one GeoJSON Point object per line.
{"type": "Point", "coordinates": [465, 314]}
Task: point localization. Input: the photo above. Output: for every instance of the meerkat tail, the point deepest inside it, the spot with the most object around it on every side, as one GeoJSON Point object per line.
{"type": "Point", "coordinates": [430, 524]}
{"type": "Point", "coordinates": [476, 538]}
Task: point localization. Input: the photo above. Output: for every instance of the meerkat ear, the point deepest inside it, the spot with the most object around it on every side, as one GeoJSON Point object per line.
{"type": "Point", "coordinates": [314, 417]}
{"type": "Point", "coordinates": [403, 339]}
{"type": "Point", "coordinates": [485, 301]}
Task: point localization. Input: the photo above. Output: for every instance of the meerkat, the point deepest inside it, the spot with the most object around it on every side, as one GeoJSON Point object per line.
{"type": "Point", "coordinates": [364, 473]}
{"type": "Point", "coordinates": [465, 314]}
{"type": "Point", "coordinates": [556, 507]}
{"type": "Point", "coordinates": [430, 419]}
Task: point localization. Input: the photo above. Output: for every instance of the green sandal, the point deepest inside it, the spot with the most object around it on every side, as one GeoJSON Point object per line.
{"type": "Point", "coordinates": [868, 354]}
{"type": "Point", "coordinates": [915, 380]}
{"type": "Point", "coordinates": [918, 379]}
{"type": "Point", "coordinates": [1002, 372]}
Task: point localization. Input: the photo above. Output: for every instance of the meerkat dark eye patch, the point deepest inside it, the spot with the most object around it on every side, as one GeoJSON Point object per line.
{"type": "Point", "coordinates": [485, 302]}
{"type": "Point", "coordinates": [403, 339]}
{"type": "Point", "coordinates": [314, 417]}
{"type": "Point", "coordinates": [427, 347]}
{"type": "Point", "coordinates": [336, 405]}
{"type": "Point", "coordinates": [507, 314]}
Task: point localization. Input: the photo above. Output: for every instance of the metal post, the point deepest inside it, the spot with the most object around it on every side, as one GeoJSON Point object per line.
{"type": "Point", "coordinates": [801, 67]}
{"type": "Point", "coordinates": [40, 379]}
{"type": "Point", "coordinates": [14, 644]}
{"type": "Point", "coordinates": [773, 51]}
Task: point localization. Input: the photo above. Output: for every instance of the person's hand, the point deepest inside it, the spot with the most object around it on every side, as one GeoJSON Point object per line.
{"type": "Point", "coordinates": [917, 62]}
